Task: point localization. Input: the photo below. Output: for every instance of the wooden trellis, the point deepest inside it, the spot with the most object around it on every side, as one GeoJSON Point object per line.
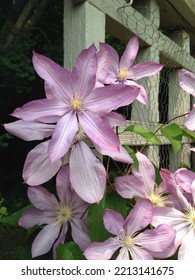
{"type": "Point", "coordinates": [87, 22]}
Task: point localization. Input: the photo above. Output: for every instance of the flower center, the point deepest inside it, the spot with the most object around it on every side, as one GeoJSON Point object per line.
{"type": "Point", "coordinates": [128, 241]}
{"type": "Point", "coordinates": [75, 104]}
{"type": "Point", "coordinates": [122, 74]}
{"type": "Point", "coordinates": [63, 213]}
{"type": "Point", "coordinates": [190, 217]}
{"type": "Point", "coordinates": [157, 199]}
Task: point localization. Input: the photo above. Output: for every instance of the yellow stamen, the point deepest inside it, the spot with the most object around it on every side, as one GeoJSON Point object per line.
{"type": "Point", "coordinates": [128, 241]}
{"type": "Point", "coordinates": [63, 213]}
{"type": "Point", "coordinates": [157, 199]}
{"type": "Point", "coordinates": [75, 104]}
{"type": "Point", "coordinates": [122, 74]}
{"type": "Point", "coordinates": [190, 217]}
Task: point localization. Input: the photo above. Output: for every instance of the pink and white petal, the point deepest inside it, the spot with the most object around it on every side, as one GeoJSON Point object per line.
{"type": "Point", "coordinates": [186, 251]}
{"type": "Point", "coordinates": [60, 240]}
{"type": "Point", "coordinates": [99, 131]}
{"type": "Point", "coordinates": [142, 96]}
{"type": "Point", "coordinates": [33, 216]}
{"type": "Point", "coordinates": [130, 53]}
{"type": "Point", "coordinates": [63, 136]}
{"type": "Point", "coordinates": [102, 250]}
{"type": "Point", "coordinates": [80, 233]}
{"type": "Point", "coordinates": [45, 240]}
{"type": "Point", "coordinates": [87, 173]}
{"type": "Point", "coordinates": [113, 221]}
{"type": "Point", "coordinates": [129, 186]}
{"type": "Point", "coordinates": [57, 77]}
{"type": "Point", "coordinates": [83, 75]}
{"type": "Point", "coordinates": [123, 254]}
{"type": "Point", "coordinates": [190, 120]}
{"type": "Point", "coordinates": [144, 69]}
{"type": "Point", "coordinates": [105, 99]}
{"type": "Point", "coordinates": [29, 131]}
{"type": "Point", "coordinates": [114, 119]}
{"type": "Point", "coordinates": [158, 239]}
{"type": "Point", "coordinates": [192, 149]}
{"type": "Point", "coordinates": [48, 91]}
{"type": "Point", "coordinates": [42, 199]}
{"type": "Point", "coordinates": [187, 81]}
{"type": "Point", "coordinates": [113, 57]}
{"type": "Point", "coordinates": [139, 217]}
{"type": "Point", "coordinates": [41, 108]}
{"type": "Point", "coordinates": [103, 65]}
{"type": "Point", "coordinates": [184, 178]}
{"type": "Point", "coordinates": [37, 167]}
{"type": "Point", "coordinates": [63, 186]}
{"type": "Point", "coordinates": [193, 190]}
{"type": "Point", "coordinates": [146, 172]}
{"type": "Point", "coordinates": [139, 253]}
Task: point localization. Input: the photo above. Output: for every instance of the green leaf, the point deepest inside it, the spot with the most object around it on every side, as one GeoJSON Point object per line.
{"type": "Point", "coordinates": [133, 156]}
{"type": "Point", "coordinates": [188, 133]}
{"type": "Point", "coordinates": [69, 251]}
{"type": "Point", "coordinates": [145, 133]}
{"type": "Point", "coordinates": [174, 134]}
{"type": "Point", "coordinates": [115, 202]}
{"type": "Point", "coordinates": [13, 218]}
{"type": "Point", "coordinates": [97, 230]}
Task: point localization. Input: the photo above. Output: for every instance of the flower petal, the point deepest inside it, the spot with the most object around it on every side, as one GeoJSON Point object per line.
{"type": "Point", "coordinates": [129, 186]}
{"type": "Point", "coordinates": [123, 254]}
{"type": "Point", "coordinates": [187, 81]}
{"type": "Point", "coordinates": [60, 240]}
{"type": "Point", "coordinates": [80, 233]}
{"type": "Point", "coordinates": [63, 136]}
{"type": "Point", "coordinates": [102, 250]}
{"type": "Point", "coordinates": [45, 239]}
{"type": "Point", "coordinates": [83, 75]}
{"type": "Point", "coordinates": [57, 77]}
{"type": "Point", "coordinates": [99, 131]}
{"type": "Point", "coordinates": [87, 173]}
{"type": "Point", "coordinates": [184, 178]}
{"type": "Point", "coordinates": [186, 251]}
{"type": "Point", "coordinates": [138, 253]}
{"type": "Point", "coordinates": [42, 199]}
{"type": "Point", "coordinates": [38, 109]}
{"type": "Point", "coordinates": [158, 239]}
{"type": "Point", "coordinates": [103, 65]}
{"type": "Point", "coordinates": [114, 119]}
{"type": "Point", "coordinates": [63, 186]}
{"type": "Point", "coordinates": [113, 221]}
{"type": "Point", "coordinates": [113, 58]}
{"type": "Point", "coordinates": [130, 53]}
{"type": "Point", "coordinates": [33, 216]}
{"type": "Point", "coordinates": [29, 131]}
{"type": "Point", "coordinates": [142, 96]}
{"type": "Point", "coordinates": [190, 120]}
{"type": "Point", "coordinates": [139, 217]}
{"type": "Point", "coordinates": [144, 69]}
{"type": "Point", "coordinates": [37, 167]}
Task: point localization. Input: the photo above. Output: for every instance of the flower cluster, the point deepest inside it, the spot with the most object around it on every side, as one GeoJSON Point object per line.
{"type": "Point", "coordinates": [77, 119]}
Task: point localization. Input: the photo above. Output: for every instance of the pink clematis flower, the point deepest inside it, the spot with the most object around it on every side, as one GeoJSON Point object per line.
{"type": "Point", "coordinates": [182, 220]}
{"type": "Point", "coordinates": [56, 215]}
{"type": "Point", "coordinates": [132, 244]}
{"type": "Point", "coordinates": [123, 71]}
{"type": "Point", "coordinates": [142, 184]}
{"type": "Point", "coordinates": [187, 83]}
{"type": "Point", "coordinates": [73, 101]}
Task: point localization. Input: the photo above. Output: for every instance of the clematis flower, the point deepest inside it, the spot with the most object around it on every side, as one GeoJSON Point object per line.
{"type": "Point", "coordinates": [183, 220]}
{"type": "Point", "coordinates": [73, 101]}
{"type": "Point", "coordinates": [56, 215]}
{"type": "Point", "coordinates": [132, 244]}
{"type": "Point", "coordinates": [123, 71]}
{"type": "Point", "coordinates": [142, 184]}
{"type": "Point", "coordinates": [187, 83]}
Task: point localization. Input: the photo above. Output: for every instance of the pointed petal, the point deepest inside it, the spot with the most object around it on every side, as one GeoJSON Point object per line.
{"type": "Point", "coordinates": [140, 217]}
{"type": "Point", "coordinates": [37, 167]}
{"type": "Point", "coordinates": [123, 254]}
{"type": "Point", "coordinates": [87, 173]}
{"type": "Point", "coordinates": [142, 96]}
{"type": "Point", "coordinates": [187, 81]}
{"type": "Point", "coordinates": [42, 199]}
{"type": "Point", "coordinates": [158, 239]}
{"type": "Point", "coordinates": [80, 233]}
{"type": "Point", "coordinates": [99, 131]}
{"type": "Point", "coordinates": [105, 99]}
{"type": "Point", "coordinates": [102, 250]}
{"type": "Point", "coordinates": [45, 239]}
{"type": "Point", "coordinates": [83, 75]}
{"type": "Point", "coordinates": [184, 178]}
{"type": "Point", "coordinates": [63, 136]}
{"type": "Point", "coordinates": [29, 131]}
{"type": "Point", "coordinates": [63, 186]}
{"type": "Point", "coordinates": [113, 58]}
{"type": "Point", "coordinates": [130, 53]}
{"type": "Point", "coordinates": [139, 253]}
{"type": "Point", "coordinates": [129, 186]}
{"type": "Point", "coordinates": [193, 190]}
{"type": "Point", "coordinates": [145, 69]}
{"type": "Point", "coordinates": [186, 251]}
{"type": "Point", "coordinates": [146, 172]}
{"type": "Point", "coordinates": [33, 216]}
{"type": "Point", "coordinates": [60, 240]}
{"type": "Point", "coordinates": [103, 65]}
{"type": "Point", "coordinates": [37, 109]}
{"type": "Point", "coordinates": [114, 119]}
{"type": "Point", "coordinates": [113, 221]}
{"type": "Point", "coordinates": [57, 77]}
{"type": "Point", "coordinates": [190, 120]}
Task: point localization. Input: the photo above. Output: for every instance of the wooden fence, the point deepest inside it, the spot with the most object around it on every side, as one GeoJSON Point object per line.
{"type": "Point", "coordinates": [87, 22]}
